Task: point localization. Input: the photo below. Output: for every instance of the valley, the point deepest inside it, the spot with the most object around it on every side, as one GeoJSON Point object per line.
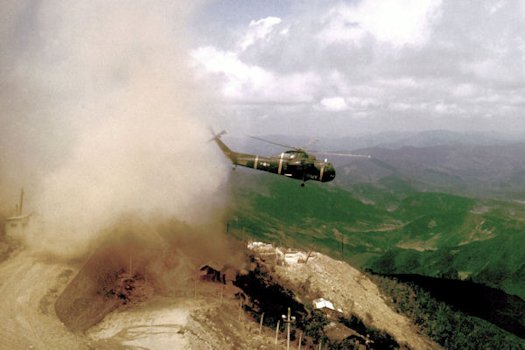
{"type": "Point", "coordinates": [385, 218]}
{"type": "Point", "coordinates": [409, 263]}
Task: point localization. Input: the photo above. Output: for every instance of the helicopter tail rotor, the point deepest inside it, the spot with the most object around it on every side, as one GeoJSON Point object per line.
{"type": "Point", "coordinates": [216, 136]}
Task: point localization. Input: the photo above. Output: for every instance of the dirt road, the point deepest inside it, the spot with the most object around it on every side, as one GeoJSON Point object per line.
{"type": "Point", "coordinates": [28, 287]}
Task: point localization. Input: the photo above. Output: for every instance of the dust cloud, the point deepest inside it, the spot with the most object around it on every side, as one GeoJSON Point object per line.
{"type": "Point", "coordinates": [102, 121]}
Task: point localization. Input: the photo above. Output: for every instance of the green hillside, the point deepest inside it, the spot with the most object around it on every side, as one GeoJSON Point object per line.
{"type": "Point", "coordinates": [388, 227]}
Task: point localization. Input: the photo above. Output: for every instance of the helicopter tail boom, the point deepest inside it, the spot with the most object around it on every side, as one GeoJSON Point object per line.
{"type": "Point", "coordinates": [232, 155]}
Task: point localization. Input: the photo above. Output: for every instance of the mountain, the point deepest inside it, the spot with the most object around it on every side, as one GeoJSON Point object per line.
{"type": "Point", "coordinates": [389, 140]}
{"type": "Point", "coordinates": [393, 229]}
{"type": "Point", "coordinates": [476, 170]}
{"type": "Point", "coordinates": [432, 204]}
{"type": "Point", "coordinates": [429, 138]}
{"type": "Point", "coordinates": [480, 165]}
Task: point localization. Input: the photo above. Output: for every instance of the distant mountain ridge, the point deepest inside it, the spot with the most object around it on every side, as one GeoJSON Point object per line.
{"type": "Point", "coordinates": [474, 164]}
{"type": "Point", "coordinates": [477, 170]}
{"type": "Point", "coordinates": [389, 139]}
{"type": "Point", "coordinates": [448, 209]}
{"type": "Point", "coordinates": [428, 138]}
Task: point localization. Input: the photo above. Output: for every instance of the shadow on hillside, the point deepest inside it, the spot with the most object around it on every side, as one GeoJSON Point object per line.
{"type": "Point", "coordinates": [493, 305]}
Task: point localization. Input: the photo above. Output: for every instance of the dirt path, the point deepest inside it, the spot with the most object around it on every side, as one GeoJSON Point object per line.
{"type": "Point", "coordinates": [27, 289]}
{"type": "Point", "coordinates": [158, 325]}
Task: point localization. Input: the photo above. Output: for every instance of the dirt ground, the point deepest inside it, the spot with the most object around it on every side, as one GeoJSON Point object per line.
{"type": "Point", "coordinates": [350, 290]}
{"type": "Point", "coordinates": [29, 286]}
{"type": "Point", "coordinates": [52, 304]}
{"type": "Point", "coordinates": [207, 316]}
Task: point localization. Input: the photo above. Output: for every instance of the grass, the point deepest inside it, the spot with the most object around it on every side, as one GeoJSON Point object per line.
{"type": "Point", "coordinates": [388, 227]}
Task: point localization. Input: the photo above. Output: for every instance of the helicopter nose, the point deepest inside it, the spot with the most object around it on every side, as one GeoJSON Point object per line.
{"type": "Point", "coordinates": [329, 173]}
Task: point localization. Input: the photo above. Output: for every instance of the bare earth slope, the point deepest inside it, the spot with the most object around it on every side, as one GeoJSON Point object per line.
{"type": "Point", "coordinates": [201, 319]}
{"type": "Point", "coordinates": [28, 287]}
{"type": "Point", "coordinates": [207, 316]}
{"type": "Point", "coordinates": [347, 288]}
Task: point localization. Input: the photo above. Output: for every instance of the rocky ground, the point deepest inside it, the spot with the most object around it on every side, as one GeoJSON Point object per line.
{"type": "Point", "coordinates": [205, 316]}
{"type": "Point", "coordinates": [314, 275]}
{"type": "Point", "coordinates": [99, 304]}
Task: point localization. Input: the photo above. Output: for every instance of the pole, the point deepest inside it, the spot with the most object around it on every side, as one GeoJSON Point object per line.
{"type": "Point", "coordinates": [240, 309]}
{"type": "Point", "coordinates": [300, 341]}
{"type": "Point", "coordinates": [261, 323]}
{"type": "Point", "coordinates": [277, 331]}
{"type": "Point", "coordinates": [288, 329]}
{"type": "Point", "coordinates": [21, 206]}
{"type": "Point", "coordinates": [308, 256]}
{"type": "Point", "coordinates": [342, 245]}
{"type": "Point", "coordinates": [288, 319]}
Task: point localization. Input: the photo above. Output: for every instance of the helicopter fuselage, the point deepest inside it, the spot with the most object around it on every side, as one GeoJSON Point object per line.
{"type": "Point", "coordinates": [296, 164]}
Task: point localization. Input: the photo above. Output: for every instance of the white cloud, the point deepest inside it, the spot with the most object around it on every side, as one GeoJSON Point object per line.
{"type": "Point", "coordinates": [422, 60]}
{"type": "Point", "coordinates": [240, 78]}
{"type": "Point", "coordinates": [464, 90]}
{"type": "Point", "coordinates": [494, 6]}
{"type": "Point", "coordinates": [447, 108]}
{"type": "Point", "coordinates": [405, 82]}
{"type": "Point", "coordinates": [400, 106]}
{"type": "Point", "coordinates": [258, 30]}
{"type": "Point", "coordinates": [251, 83]}
{"type": "Point", "coordinates": [333, 104]}
{"type": "Point", "coordinates": [396, 22]}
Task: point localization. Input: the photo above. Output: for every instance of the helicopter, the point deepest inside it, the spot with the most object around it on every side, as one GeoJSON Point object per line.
{"type": "Point", "coordinates": [294, 163]}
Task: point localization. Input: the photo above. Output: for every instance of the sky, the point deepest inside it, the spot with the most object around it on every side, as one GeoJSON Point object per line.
{"type": "Point", "coordinates": [105, 104]}
{"type": "Point", "coordinates": [342, 68]}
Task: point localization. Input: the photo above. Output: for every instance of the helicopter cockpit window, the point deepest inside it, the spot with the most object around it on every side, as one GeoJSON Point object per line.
{"type": "Point", "coordinates": [288, 155]}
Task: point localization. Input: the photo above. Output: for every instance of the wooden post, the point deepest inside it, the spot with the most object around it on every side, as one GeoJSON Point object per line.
{"type": "Point", "coordinates": [300, 341]}
{"type": "Point", "coordinates": [261, 323]}
{"type": "Point", "coordinates": [342, 245]}
{"type": "Point", "coordinates": [130, 266]}
{"type": "Point", "coordinates": [308, 256]}
{"type": "Point", "coordinates": [277, 331]}
{"type": "Point", "coordinates": [21, 206]}
{"type": "Point", "coordinates": [288, 321]}
{"type": "Point", "coordinates": [240, 309]}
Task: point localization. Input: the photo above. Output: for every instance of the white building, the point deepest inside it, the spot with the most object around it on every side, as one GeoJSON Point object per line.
{"type": "Point", "coordinates": [322, 303]}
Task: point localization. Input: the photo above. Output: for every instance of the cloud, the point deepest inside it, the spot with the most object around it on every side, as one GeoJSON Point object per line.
{"type": "Point", "coordinates": [258, 30]}
{"type": "Point", "coordinates": [333, 104]}
{"type": "Point", "coordinates": [399, 63]}
{"type": "Point", "coordinates": [254, 84]}
{"type": "Point", "coordinates": [394, 22]}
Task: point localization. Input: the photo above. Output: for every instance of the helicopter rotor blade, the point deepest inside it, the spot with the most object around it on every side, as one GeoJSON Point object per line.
{"type": "Point", "coordinates": [273, 143]}
{"type": "Point", "coordinates": [345, 154]}
{"type": "Point", "coordinates": [311, 143]}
